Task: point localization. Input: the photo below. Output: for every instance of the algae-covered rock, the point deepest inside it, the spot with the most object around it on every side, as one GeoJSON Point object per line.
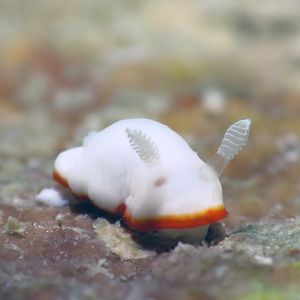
{"type": "Point", "coordinates": [15, 227]}
{"type": "Point", "coordinates": [119, 241]}
{"type": "Point", "coordinates": [265, 239]}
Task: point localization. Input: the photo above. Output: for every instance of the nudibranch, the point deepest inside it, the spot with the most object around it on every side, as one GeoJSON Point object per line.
{"type": "Point", "coordinates": [145, 172]}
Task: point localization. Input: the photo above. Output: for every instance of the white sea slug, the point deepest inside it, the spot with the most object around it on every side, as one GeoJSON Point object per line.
{"type": "Point", "coordinates": [145, 172]}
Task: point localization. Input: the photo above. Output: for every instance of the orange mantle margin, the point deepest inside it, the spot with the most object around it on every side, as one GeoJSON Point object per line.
{"type": "Point", "coordinates": [58, 178]}
{"type": "Point", "coordinates": [64, 182]}
{"type": "Point", "coordinates": [183, 221]}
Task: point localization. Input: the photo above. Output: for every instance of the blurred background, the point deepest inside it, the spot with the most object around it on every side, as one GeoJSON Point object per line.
{"type": "Point", "coordinates": [69, 67]}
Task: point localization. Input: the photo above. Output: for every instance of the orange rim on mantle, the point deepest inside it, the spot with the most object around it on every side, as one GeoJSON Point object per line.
{"type": "Point", "coordinates": [61, 180]}
{"type": "Point", "coordinates": [201, 218]}
{"type": "Point", "coordinates": [64, 182]}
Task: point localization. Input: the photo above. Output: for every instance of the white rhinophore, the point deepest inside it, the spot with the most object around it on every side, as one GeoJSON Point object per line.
{"type": "Point", "coordinates": [142, 145]}
{"type": "Point", "coordinates": [232, 144]}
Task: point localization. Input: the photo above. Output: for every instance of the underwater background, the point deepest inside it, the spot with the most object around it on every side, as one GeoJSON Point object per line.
{"type": "Point", "coordinates": [70, 67]}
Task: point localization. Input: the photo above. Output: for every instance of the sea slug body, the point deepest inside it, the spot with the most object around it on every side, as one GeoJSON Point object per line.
{"type": "Point", "coordinates": [145, 172]}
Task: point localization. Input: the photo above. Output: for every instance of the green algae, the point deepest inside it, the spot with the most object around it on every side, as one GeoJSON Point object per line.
{"type": "Point", "coordinates": [273, 294]}
{"type": "Point", "coordinates": [266, 238]}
